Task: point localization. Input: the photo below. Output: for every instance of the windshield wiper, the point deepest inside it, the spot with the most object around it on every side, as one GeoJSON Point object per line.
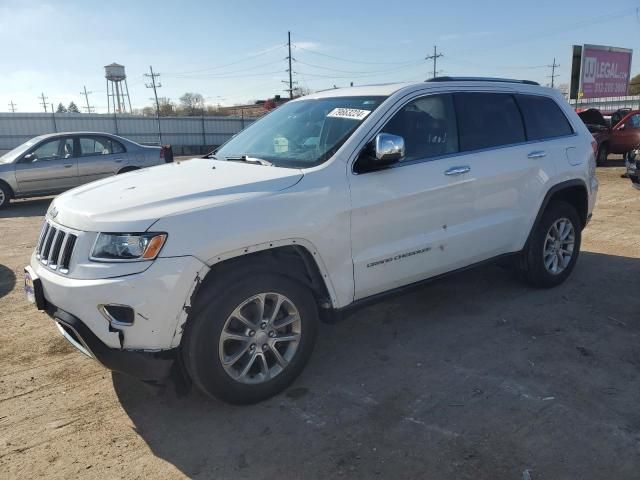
{"type": "Point", "coordinates": [249, 159]}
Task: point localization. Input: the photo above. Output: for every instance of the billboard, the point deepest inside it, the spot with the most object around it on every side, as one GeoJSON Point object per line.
{"type": "Point", "coordinates": [599, 71]}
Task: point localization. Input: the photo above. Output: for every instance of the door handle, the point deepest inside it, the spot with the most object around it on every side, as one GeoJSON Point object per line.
{"type": "Point", "coordinates": [119, 160]}
{"type": "Point", "coordinates": [537, 154]}
{"type": "Point", "coordinates": [68, 166]}
{"type": "Point", "coordinates": [457, 170]}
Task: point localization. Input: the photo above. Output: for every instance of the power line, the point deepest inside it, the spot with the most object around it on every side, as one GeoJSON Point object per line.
{"type": "Point", "coordinates": [350, 60]}
{"type": "Point", "coordinates": [155, 94]}
{"type": "Point", "coordinates": [216, 67]}
{"type": "Point", "coordinates": [553, 72]}
{"type": "Point", "coordinates": [86, 94]}
{"type": "Point", "coordinates": [359, 72]}
{"type": "Point", "coordinates": [43, 102]}
{"type": "Point", "coordinates": [12, 106]}
{"type": "Point", "coordinates": [434, 57]}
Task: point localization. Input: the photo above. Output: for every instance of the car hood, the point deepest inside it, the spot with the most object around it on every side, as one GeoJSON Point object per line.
{"type": "Point", "coordinates": [593, 119]}
{"type": "Point", "coordinates": [133, 201]}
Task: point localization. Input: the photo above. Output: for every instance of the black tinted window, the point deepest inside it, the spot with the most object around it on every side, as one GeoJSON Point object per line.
{"type": "Point", "coordinates": [428, 126]}
{"type": "Point", "coordinates": [487, 120]}
{"type": "Point", "coordinates": [543, 118]}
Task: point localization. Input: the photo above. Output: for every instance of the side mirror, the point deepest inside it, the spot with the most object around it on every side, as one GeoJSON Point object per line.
{"type": "Point", "coordinates": [388, 149]}
{"type": "Point", "coordinates": [30, 157]}
{"type": "Point", "coordinates": [621, 127]}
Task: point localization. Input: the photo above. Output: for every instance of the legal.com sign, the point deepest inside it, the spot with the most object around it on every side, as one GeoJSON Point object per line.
{"type": "Point", "coordinates": [605, 71]}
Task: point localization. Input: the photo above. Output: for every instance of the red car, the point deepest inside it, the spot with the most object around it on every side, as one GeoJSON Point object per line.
{"type": "Point", "coordinates": [622, 138]}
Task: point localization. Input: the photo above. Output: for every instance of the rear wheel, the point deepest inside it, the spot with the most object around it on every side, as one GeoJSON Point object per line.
{"type": "Point", "coordinates": [251, 338]}
{"type": "Point", "coordinates": [552, 251]}
{"type": "Point", "coordinates": [5, 195]}
{"type": "Point", "coordinates": [603, 153]}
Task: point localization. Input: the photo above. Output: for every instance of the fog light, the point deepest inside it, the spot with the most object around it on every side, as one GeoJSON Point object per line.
{"type": "Point", "coordinates": [118, 315]}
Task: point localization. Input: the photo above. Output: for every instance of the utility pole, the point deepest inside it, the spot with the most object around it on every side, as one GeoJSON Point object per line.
{"type": "Point", "coordinates": [434, 57]}
{"type": "Point", "coordinates": [553, 71]}
{"type": "Point", "coordinates": [12, 106]}
{"type": "Point", "coordinates": [155, 94]}
{"type": "Point", "coordinates": [43, 102]}
{"type": "Point", "coordinates": [289, 58]}
{"type": "Point", "coordinates": [86, 98]}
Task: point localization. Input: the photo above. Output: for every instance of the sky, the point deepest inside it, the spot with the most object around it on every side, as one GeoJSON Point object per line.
{"type": "Point", "coordinates": [234, 52]}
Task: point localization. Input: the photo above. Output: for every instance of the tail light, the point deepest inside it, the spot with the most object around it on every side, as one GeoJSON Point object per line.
{"type": "Point", "coordinates": [594, 145]}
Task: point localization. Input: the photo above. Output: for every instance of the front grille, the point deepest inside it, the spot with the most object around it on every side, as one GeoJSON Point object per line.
{"type": "Point", "coordinates": [55, 247]}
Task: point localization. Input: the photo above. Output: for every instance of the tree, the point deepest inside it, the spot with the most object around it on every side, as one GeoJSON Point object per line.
{"type": "Point", "coordinates": [61, 108]}
{"type": "Point", "coordinates": [192, 103]}
{"type": "Point", "coordinates": [634, 85]}
{"type": "Point", "coordinates": [301, 91]}
{"type": "Point", "coordinates": [167, 107]}
{"type": "Point", "coordinates": [73, 108]}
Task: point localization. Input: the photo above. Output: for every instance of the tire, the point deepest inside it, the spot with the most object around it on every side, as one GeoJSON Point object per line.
{"type": "Point", "coordinates": [5, 196]}
{"type": "Point", "coordinates": [214, 310]}
{"type": "Point", "coordinates": [603, 153]}
{"type": "Point", "coordinates": [534, 261]}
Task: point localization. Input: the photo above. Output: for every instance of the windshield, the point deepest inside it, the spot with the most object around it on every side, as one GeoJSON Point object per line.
{"type": "Point", "coordinates": [303, 133]}
{"type": "Point", "coordinates": [19, 150]}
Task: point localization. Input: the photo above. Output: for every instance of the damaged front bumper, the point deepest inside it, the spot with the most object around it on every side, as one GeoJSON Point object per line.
{"type": "Point", "coordinates": [144, 365]}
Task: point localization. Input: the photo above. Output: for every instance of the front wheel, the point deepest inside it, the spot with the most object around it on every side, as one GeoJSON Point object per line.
{"type": "Point", "coordinates": [552, 251]}
{"type": "Point", "coordinates": [251, 339]}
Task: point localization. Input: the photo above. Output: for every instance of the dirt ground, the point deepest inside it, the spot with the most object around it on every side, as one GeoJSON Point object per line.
{"type": "Point", "coordinates": [476, 376]}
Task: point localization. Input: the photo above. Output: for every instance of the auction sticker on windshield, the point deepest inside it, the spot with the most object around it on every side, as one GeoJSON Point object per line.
{"type": "Point", "coordinates": [350, 113]}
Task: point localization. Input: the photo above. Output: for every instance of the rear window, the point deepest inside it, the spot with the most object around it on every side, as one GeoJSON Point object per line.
{"type": "Point", "coordinates": [543, 117]}
{"type": "Point", "coordinates": [487, 120]}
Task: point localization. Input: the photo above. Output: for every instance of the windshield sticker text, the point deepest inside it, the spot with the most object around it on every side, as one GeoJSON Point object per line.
{"type": "Point", "coordinates": [350, 113]}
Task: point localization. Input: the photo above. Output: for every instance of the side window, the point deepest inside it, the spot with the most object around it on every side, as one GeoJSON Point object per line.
{"type": "Point", "coordinates": [487, 120]}
{"type": "Point", "coordinates": [542, 117]}
{"type": "Point", "coordinates": [428, 126]}
{"type": "Point", "coordinates": [116, 147]}
{"type": "Point", "coordinates": [90, 146]}
{"type": "Point", "coordinates": [49, 150]}
{"type": "Point", "coordinates": [634, 121]}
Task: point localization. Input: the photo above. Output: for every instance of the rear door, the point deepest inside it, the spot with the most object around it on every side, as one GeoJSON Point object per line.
{"type": "Point", "coordinates": [509, 172]}
{"type": "Point", "coordinates": [51, 167]}
{"type": "Point", "coordinates": [99, 157]}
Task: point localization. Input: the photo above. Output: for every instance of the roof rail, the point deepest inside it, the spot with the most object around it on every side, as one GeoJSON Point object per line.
{"type": "Point", "coordinates": [480, 79]}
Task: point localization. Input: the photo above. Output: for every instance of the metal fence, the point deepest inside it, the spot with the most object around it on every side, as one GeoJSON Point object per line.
{"type": "Point", "coordinates": [608, 104]}
{"type": "Point", "coordinates": [186, 134]}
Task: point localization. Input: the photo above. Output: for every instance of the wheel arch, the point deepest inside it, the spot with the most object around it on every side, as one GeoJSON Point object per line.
{"type": "Point", "coordinates": [12, 194]}
{"type": "Point", "coordinates": [574, 192]}
{"type": "Point", "coordinates": [295, 258]}
{"type": "Point", "coordinates": [127, 169]}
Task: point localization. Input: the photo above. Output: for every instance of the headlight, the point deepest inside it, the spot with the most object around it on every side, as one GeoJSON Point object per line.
{"type": "Point", "coordinates": [127, 246]}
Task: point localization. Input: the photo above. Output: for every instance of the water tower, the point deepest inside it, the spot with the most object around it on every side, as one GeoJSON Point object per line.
{"type": "Point", "coordinates": [117, 89]}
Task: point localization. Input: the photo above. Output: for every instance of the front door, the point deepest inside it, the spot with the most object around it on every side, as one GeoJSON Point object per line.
{"type": "Point", "coordinates": [626, 137]}
{"type": "Point", "coordinates": [48, 168]}
{"type": "Point", "coordinates": [404, 217]}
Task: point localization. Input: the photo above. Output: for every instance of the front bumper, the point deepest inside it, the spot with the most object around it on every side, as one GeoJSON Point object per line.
{"type": "Point", "coordinates": [147, 366]}
{"type": "Point", "coordinates": [157, 296]}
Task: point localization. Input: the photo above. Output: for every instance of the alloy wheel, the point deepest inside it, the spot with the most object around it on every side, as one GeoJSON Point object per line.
{"type": "Point", "coordinates": [260, 338]}
{"type": "Point", "coordinates": [558, 246]}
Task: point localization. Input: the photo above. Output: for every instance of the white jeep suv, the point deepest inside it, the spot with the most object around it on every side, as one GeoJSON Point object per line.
{"type": "Point", "coordinates": [220, 268]}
